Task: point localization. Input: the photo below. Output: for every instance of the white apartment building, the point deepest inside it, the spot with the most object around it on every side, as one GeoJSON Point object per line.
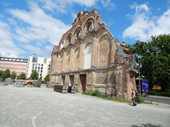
{"type": "Point", "coordinates": [42, 66]}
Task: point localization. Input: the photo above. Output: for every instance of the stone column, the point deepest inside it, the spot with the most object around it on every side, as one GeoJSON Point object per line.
{"type": "Point", "coordinates": [54, 62]}
{"type": "Point", "coordinates": [95, 40]}
{"type": "Point", "coordinates": [81, 56]}
{"type": "Point", "coordinates": [59, 64]}
{"type": "Point", "coordinates": [64, 62]}
{"type": "Point", "coordinates": [113, 50]}
{"type": "Point", "coordinates": [71, 59]}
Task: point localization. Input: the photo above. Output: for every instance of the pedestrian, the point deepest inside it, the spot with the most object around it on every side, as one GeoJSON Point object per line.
{"type": "Point", "coordinates": [133, 97]}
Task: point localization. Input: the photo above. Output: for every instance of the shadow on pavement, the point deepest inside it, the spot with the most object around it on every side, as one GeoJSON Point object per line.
{"type": "Point", "coordinates": [147, 125]}
{"type": "Point", "coordinates": [130, 104]}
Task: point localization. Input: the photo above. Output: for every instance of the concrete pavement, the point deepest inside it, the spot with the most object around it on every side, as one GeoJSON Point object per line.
{"type": "Point", "coordinates": [42, 107]}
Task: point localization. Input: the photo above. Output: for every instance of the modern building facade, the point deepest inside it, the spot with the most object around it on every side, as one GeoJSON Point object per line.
{"type": "Point", "coordinates": [42, 65]}
{"type": "Point", "coordinates": [89, 57]}
{"type": "Point", "coordinates": [18, 65]}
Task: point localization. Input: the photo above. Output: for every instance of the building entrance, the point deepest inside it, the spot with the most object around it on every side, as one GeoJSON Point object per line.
{"type": "Point", "coordinates": [83, 81]}
{"type": "Point", "coordinates": [63, 80]}
{"type": "Point", "coordinates": [71, 80]}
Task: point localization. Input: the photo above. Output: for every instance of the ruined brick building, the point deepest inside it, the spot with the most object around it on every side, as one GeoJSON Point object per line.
{"type": "Point", "coordinates": [89, 57]}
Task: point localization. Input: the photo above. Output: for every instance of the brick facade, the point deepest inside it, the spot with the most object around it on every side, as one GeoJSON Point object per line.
{"type": "Point", "coordinates": [89, 57]}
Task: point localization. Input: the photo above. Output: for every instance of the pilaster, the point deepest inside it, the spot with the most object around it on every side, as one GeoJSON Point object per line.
{"type": "Point", "coordinates": [81, 56]}
{"type": "Point", "coordinates": [93, 64]}
{"type": "Point", "coordinates": [71, 59]}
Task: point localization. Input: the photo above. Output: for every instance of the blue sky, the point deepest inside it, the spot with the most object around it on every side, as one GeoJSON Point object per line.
{"type": "Point", "coordinates": [34, 26]}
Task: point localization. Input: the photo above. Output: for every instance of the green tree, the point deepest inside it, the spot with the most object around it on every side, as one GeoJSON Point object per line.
{"type": "Point", "coordinates": [34, 75]}
{"type": "Point", "coordinates": [46, 77]}
{"type": "Point", "coordinates": [13, 75]}
{"type": "Point", "coordinates": [155, 58]}
{"type": "Point", "coordinates": [40, 78]}
{"type": "Point", "coordinates": [6, 74]}
{"type": "Point", "coordinates": [22, 76]}
{"type": "Point", "coordinates": [1, 72]}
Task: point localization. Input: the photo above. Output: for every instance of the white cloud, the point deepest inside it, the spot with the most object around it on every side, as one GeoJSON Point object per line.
{"type": "Point", "coordinates": [62, 5]}
{"type": "Point", "coordinates": [168, 1]}
{"type": "Point", "coordinates": [12, 21]}
{"type": "Point", "coordinates": [139, 7]}
{"type": "Point", "coordinates": [34, 49]}
{"type": "Point", "coordinates": [7, 46]}
{"type": "Point", "coordinates": [133, 5]}
{"type": "Point", "coordinates": [145, 25]}
{"type": "Point", "coordinates": [74, 15]}
{"type": "Point", "coordinates": [49, 48]}
{"type": "Point", "coordinates": [42, 26]}
{"type": "Point", "coordinates": [159, 9]}
{"type": "Point", "coordinates": [38, 44]}
{"type": "Point", "coordinates": [87, 3]}
{"type": "Point", "coordinates": [108, 4]}
{"type": "Point", "coordinates": [37, 50]}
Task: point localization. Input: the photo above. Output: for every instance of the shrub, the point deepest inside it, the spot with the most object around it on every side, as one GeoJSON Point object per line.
{"type": "Point", "coordinates": [87, 93]}
{"type": "Point", "coordinates": [167, 94]}
{"type": "Point", "coordinates": [96, 93]}
{"type": "Point", "coordinates": [139, 99]}
{"type": "Point", "coordinates": [153, 93]}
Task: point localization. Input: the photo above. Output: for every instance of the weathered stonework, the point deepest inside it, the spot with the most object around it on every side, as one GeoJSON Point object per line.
{"type": "Point", "coordinates": [89, 57]}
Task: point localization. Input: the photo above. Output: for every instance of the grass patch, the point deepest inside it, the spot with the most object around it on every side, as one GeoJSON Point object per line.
{"type": "Point", "coordinates": [50, 87]}
{"type": "Point", "coordinates": [97, 93]}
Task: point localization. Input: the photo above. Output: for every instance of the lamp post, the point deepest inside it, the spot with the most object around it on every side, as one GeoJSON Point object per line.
{"type": "Point", "coordinates": [140, 65]}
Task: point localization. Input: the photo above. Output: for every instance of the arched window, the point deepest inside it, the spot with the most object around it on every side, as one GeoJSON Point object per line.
{"type": "Point", "coordinates": [89, 26]}
{"type": "Point", "coordinates": [69, 39]}
{"type": "Point", "coordinates": [88, 56]}
{"type": "Point", "coordinates": [62, 45]}
{"type": "Point", "coordinates": [77, 33]}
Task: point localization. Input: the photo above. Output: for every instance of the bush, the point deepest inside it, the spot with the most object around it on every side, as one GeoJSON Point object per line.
{"type": "Point", "coordinates": [167, 94]}
{"type": "Point", "coordinates": [154, 93]}
{"type": "Point", "coordinates": [87, 93]}
{"type": "Point", "coordinates": [96, 93]}
{"type": "Point", "coordinates": [139, 99]}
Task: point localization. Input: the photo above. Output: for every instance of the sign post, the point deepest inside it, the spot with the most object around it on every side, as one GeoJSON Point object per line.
{"type": "Point", "coordinates": [144, 86]}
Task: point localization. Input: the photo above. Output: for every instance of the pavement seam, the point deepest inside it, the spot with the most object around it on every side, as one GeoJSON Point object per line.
{"type": "Point", "coordinates": [33, 120]}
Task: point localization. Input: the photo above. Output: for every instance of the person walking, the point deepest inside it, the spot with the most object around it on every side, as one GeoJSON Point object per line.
{"type": "Point", "coordinates": [133, 97]}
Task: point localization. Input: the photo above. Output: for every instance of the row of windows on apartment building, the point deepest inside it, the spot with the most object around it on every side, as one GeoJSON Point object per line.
{"type": "Point", "coordinates": [13, 70]}
{"type": "Point", "coordinates": [14, 59]}
{"type": "Point", "coordinates": [13, 63]}
{"type": "Point", "coordinates": [7, 66]}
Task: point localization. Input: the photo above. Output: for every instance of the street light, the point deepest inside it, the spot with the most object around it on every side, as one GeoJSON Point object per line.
{"type": "Point", "coordinates": [140, 65]}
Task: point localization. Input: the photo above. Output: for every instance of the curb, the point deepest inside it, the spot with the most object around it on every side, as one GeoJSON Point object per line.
{"type": "Point", "coordinates": [158, 97]}
{"type": "Point", "coordinates": [158, 103]}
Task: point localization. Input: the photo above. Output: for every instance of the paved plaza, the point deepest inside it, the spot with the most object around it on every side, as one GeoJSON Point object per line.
{"type": "Point", "coordinates": [42, 107]}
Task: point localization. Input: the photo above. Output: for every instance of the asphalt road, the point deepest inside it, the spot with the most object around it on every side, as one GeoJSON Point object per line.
{"type": "Point", "coordinates": [158, 99]}
{"type": "Point", "coordinates": [42, 107]}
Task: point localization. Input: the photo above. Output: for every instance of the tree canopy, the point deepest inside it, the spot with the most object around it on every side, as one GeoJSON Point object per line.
{"type": "Point", "coordinates": [46, 77]}
{"type": "Point", "coordinates": [13, 75]}
{"type": "Point", "coordinates": [34, 75]}
{"type": "Point", "coordinates": [22, 76]}
{"type": "Point", "coordinates": [1, 72]}
{"type": "Point", "coordinates": [155, 58]}
{"type": "Point", "coordinates": [6, 74]}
